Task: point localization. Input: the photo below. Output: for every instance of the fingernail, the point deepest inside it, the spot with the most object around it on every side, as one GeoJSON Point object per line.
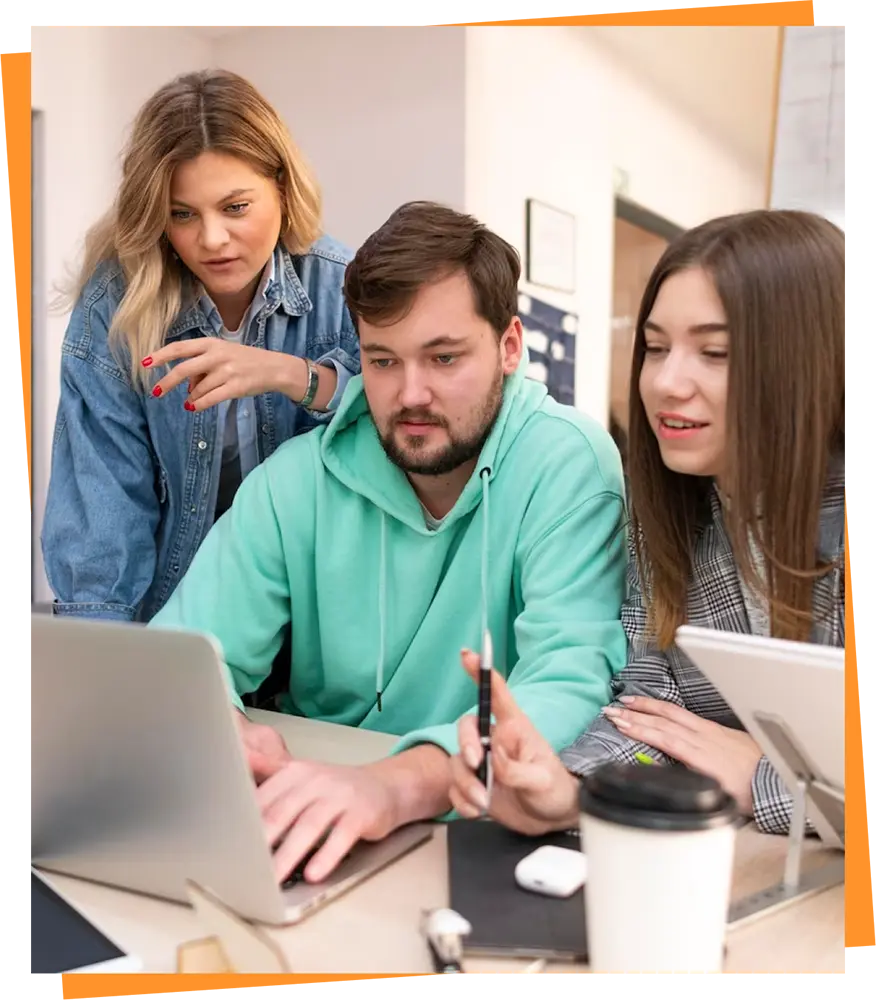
{"type": "Point", "coordinates": [188, 405]}
{"type": "Point", "coordinates": [611, 712]}
{"type": "Point", "coordinates": [156, 391]}
{"type": "Point", "coordinates": [627, 699]}
{"type": "Point", "coordinates": [479, 795]}
{"type": "Point", "coordinates": [146, 362]}
{"type": "Point", "coordinates": [471, 757]}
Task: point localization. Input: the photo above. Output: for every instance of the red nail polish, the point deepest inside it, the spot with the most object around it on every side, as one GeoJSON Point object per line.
{"type": "Point", "coordinates": [156, 391]}
{"type": "Point", "coordinates": [146, 362]}
{"type": "Point", "coordinates": [189, 406]}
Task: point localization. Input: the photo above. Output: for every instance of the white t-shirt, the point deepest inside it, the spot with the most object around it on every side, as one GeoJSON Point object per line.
{"type": "Point", "coordinates": [432, 523]}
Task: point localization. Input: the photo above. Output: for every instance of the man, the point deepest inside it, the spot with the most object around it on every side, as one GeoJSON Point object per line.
{"type": "Point", "coordinates": [448, 493]}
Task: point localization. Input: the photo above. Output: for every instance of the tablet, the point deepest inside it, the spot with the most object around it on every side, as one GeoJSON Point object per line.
{"type": "Point", "coordinates": [63, 940]}
{"type": "Point", "coordinates": [790, 696]}
{"type": "Point", "coordinates": [507, 920]}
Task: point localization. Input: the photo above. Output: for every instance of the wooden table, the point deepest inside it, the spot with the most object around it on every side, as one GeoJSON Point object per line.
{"type": "Point", "coordinates": [375, 927]}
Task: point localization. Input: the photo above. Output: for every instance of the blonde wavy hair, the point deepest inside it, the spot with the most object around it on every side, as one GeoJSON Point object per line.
{"type": "Point", "coordinates": [210, 110]}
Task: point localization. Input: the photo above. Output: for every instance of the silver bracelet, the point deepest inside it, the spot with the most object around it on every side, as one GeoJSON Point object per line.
{"type": "Point", "coordinates": [312, 384]}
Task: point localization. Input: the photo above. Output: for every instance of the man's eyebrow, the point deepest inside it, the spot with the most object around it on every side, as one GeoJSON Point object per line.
{"type": "Point", "coordinates": [445, 340]}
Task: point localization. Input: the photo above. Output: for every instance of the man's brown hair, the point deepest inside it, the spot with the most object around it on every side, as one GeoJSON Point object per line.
{"type": "Point", "coordinates": [780, 276]}
{"type": "Point", "coordinates": [421, 243]}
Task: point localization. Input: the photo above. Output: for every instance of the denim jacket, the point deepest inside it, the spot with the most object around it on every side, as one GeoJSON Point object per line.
{"type": "Point", "coordinates": [134, 479]}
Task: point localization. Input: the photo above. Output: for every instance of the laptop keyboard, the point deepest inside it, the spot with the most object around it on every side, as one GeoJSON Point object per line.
{"type": "Point", "coordinates": [296, 876]}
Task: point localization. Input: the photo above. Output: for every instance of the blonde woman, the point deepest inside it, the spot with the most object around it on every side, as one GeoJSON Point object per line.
{"type": "Point", "coordinates": [208, 327]}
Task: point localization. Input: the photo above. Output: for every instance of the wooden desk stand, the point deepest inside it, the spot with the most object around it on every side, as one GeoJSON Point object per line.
{"type": "Point", "coordinates": [235, 945]}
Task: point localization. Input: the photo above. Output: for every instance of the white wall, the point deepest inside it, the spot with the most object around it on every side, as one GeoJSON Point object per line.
{"type": "Point", "coordinates": [88, 83]}
{"type": "Point", "coordinates": [549, 115]}
{"type": "Point", "coordinates": [377, 111]}
{"type": "Point", "coordinates": [824, 136]}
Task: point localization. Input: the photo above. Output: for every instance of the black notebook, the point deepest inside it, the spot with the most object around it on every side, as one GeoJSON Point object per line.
{"type": "Point", "coordinates": [505, 919]}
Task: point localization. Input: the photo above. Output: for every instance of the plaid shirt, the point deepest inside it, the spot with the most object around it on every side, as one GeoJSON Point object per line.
{"type": "Point", "coordinates": [715, 600]}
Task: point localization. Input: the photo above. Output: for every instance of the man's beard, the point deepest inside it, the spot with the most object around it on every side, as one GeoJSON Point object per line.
{"type": "Point", "coordinates": [457, 451]}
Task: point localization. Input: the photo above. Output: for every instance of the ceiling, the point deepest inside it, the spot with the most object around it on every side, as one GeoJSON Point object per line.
{"type": "Point", "coordinates": [723, 77]}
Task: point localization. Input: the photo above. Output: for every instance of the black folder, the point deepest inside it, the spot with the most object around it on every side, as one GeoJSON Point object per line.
{"type": "Point", "coordinates": [507, 920]}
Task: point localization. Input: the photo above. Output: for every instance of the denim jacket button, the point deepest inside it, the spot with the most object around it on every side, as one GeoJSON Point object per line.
{"type": "Point", "coordinates": [202, 445]}
{"type": "Point", "coordinates": [264, 428]}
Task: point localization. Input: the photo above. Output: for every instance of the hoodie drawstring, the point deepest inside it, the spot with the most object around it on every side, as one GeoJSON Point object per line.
{"type": "Point", "coordinates": [485, 474]}
{"type": "Point", "coordinates": [382, 611]}
{"type": "Point", "coordinates": [485, 548]}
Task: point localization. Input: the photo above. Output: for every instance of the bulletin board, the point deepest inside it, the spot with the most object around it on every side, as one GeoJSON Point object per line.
{"type": "Point", "coordinates": [550, 336]}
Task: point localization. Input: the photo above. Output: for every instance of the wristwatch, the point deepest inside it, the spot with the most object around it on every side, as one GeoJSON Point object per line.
{"type": "Point", "coordinates": [312, 384]}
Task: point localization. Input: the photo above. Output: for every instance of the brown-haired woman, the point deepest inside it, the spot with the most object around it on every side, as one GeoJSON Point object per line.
{"type": "Point", "coordinates": [208, 327]}
{"type": "Point", "coordinates": [736, 476]}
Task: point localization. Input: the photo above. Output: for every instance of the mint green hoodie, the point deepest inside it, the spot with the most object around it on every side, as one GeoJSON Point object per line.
{"type": "Point", "coordinates": [328, 532]}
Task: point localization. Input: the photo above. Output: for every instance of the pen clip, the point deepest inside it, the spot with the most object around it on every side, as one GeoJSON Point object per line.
{"type": "Point", "coordinates": [486, 650]}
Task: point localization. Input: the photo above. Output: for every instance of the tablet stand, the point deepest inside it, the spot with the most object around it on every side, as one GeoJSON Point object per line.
{"type": "Point", "coordinates": [810, 791]}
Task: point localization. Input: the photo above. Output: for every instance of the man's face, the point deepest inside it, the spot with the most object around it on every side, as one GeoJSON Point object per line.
{"type": "Point", "coordinates": [433, 380]}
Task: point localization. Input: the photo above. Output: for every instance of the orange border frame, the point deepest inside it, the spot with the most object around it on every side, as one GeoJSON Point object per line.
{"type": "Point", "coordinates": [15, 450]}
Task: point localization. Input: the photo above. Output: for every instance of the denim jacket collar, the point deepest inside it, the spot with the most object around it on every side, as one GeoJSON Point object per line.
{"type": "Point", "coordinates": [283, 289]}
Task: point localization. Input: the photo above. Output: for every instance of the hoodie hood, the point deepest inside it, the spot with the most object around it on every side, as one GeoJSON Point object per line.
{"type": "Point", "coordinates": [352, 452]}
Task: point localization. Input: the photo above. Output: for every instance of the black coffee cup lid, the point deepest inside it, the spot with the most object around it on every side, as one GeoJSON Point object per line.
{"type": "Point", "coordinates": [662, 797]}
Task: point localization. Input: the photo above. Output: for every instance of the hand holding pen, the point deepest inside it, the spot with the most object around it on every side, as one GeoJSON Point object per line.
{"type": "Point", "coordinates": [530, 790]}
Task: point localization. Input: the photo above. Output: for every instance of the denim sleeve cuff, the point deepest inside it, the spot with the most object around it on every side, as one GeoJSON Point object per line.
{"type": "Point", "coordinates": [94, 609]}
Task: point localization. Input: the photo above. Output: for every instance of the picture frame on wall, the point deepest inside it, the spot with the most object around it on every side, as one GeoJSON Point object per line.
{"type": "Point", "coordinates": [550, 246]}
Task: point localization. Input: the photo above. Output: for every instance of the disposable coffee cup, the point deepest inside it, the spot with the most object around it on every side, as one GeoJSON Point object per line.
{"type": "Point", "coordinates": [659, 843]}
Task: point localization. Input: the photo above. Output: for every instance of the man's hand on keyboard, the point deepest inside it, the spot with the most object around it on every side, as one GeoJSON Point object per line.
{"type": "Point", "coordinates": [307, 801]}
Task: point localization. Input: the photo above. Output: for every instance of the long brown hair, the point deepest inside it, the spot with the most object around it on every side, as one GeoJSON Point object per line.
{"type": "Point", "coordinates": [780, 276]}
{"type": "Point", "coordinates": [210, 110]}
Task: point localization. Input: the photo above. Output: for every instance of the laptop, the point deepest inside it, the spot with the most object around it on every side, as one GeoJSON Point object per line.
{"type": "Point", "coordinates": [139, 779]}
{"type": "Point", "coordinates": [790, 696]}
